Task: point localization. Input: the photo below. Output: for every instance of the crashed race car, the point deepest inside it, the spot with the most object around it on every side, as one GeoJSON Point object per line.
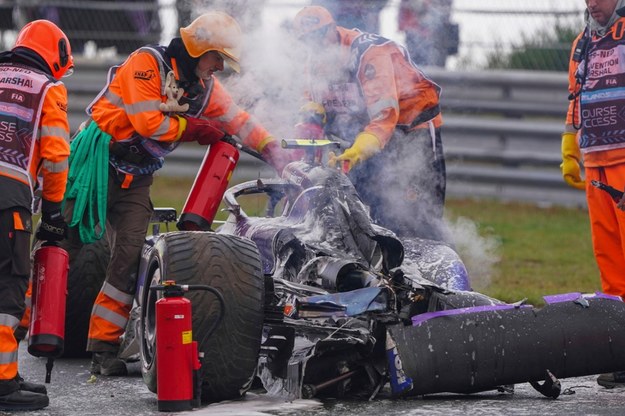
{"type": "Point", "coordinates": [319, 301]}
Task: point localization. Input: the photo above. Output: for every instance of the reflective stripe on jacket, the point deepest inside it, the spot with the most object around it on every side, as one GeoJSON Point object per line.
{"type": "Point", "coordinates": [128, 109]}
{"type": "Point", "coordinates": [34, 130]}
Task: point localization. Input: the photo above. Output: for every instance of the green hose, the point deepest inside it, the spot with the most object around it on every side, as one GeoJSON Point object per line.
{"type": "Point", "coordinates": [87, 182]}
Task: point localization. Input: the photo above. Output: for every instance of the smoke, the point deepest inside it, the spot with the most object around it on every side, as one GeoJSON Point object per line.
{"type": "Point", "coordinates": [479, 253]}
{"type": "Point", "coordinates": [271, 83]}
{"type": "Point", "coordinates": [271, 87]}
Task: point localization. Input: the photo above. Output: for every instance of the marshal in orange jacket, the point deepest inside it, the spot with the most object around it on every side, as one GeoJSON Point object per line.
{"type": "Point", "coordinates": [389, 90]}
{"type": "Point", "coordinates": [33, 126]}
{"type": "Point", "coordinates": [129, 104]}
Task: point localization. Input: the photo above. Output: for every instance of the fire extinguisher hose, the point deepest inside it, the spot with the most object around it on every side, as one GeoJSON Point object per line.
{"type": "Point", "coordinates": [172, 289]}
{"type": "Point", "coordinates": [222, 308]}
{"type": "Point", "coordinates": [87, 181]}
{"type": "Point", "coordinates": [197, 375]}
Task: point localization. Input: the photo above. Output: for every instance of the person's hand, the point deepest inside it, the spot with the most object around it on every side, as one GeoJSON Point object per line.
{"type": "Point", "coordinates": [365, 146]}
{"type": "Point", "coordinates": [276, 156]}
{"type": "Point", "coordinates": [53, 226]}
{"type": "Point", "coordinates": [202, 131]}
{"type": "Point", "coordinates": [312, 120]}
{"type": "Point", "coordinates": [308, 131]}
{"type": "Point", "coordinates": [571, 171]}
{"type": "Point", "coordinates": [313, 113]}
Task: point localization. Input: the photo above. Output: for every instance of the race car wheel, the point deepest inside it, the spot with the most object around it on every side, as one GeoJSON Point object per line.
{"type": "Point", "coordinates": [231, 265]}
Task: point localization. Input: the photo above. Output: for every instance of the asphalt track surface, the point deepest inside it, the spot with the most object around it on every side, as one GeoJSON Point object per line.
{"type": "Point", "coordinates": [72, 393]}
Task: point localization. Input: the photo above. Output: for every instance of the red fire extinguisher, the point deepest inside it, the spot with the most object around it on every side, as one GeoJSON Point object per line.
{"type": "Point", "coordinates": [178, 381]}
{"type": "Point", "coordinates": [47, 319]}
{"type": "Point", "coordinates": [209, 186]}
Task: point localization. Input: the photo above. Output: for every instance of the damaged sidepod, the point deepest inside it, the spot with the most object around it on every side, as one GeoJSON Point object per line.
{"type": "Point", "coordinates": [344, 317]}
{"type": "Point", "coordinates": [349, 344]}
{"type": "Point", "coordinates": [478, 348]}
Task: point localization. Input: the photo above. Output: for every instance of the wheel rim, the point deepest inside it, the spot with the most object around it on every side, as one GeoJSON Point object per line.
{"type": "Point", "coordinates": [149, 319]}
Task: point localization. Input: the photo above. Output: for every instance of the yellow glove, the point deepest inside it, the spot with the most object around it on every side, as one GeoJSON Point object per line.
{"type": "Point", "coordinates": [365, 146]}
{"type": "Point", "coordinates": [571, 156]}
{"type": "Point", "coordinates": [312, 120]}
{"type": "Point", "coordinates": [314, 113]}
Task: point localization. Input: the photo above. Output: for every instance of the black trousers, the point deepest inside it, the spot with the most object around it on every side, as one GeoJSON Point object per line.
{"type": "Point", "coordinates": [15, 233]}
{"type": "Point", "coordinates": [14, 259]}
{"type": "Point", "coordinates": [404, 185]}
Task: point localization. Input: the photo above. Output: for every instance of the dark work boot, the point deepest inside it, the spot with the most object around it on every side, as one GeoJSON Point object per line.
{"type": "Point", "coordinates": [32, 387]}
{"type": "Point", "coordinates": [611, 380]}
{"type": "Point", "coordinates": [107, 364]}
{"type": "Point", "coordinates": [23, 400]}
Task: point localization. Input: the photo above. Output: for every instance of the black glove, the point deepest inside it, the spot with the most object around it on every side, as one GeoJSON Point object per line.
{"type": "Point", "coordinates": [53, 226]}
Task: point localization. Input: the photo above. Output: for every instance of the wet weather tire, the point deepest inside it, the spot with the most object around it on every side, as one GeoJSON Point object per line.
{"type": "Point", "coordinates": [231, 265]}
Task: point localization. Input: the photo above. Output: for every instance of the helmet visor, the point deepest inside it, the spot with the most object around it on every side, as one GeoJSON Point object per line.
{"type": "Point", "coordinates": [69, 72]}
{"type": "Point", "coordinates": [229, 58]}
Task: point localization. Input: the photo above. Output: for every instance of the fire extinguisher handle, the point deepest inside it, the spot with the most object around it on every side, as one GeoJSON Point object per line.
{"type": "Point", "coordinates": [231, 140]}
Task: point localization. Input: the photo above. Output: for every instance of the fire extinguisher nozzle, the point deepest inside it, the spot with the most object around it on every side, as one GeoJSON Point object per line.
{"type": "Point", "coordinates": [49, 365]}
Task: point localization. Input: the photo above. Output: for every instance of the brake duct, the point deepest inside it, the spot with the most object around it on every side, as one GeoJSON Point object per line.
{"type": "Point", "coordinates": [480, 348]}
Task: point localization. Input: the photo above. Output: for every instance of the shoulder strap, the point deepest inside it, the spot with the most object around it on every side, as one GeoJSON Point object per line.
{"type": "Point", "coordinates": [164, 63]}
{"type": "Point", "coordinates": [581, 46]}
{"type": "Point", "coordinates": [361, 44]}
{"type": "Point", "coordinates": [164, 66]}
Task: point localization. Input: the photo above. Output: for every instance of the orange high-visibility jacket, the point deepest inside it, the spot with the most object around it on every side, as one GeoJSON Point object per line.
{"type": "Point", "coordinates": [34, 130]}
{"type": "Point", "coordinates": [379, 89]}
{"type": "Point", "coordinates": [128, 108]}
{"type": "Point", "coordinates": [597, 106]}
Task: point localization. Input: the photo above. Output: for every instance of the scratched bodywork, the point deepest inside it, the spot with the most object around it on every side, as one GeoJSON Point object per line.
{"type": "Point", "coordinates": [345, 317]}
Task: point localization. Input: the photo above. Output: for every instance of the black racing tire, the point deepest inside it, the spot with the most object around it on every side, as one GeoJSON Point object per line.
{"type": "Point", "coordinates": [231, 265]}
{"type": "Point", "coordinates": [87, 271]}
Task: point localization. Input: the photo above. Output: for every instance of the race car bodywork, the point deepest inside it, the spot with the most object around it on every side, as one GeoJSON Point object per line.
{"type": "Point", "coordinates": [320, 301]}
{"type": "Point", "coordinates": [348, 316]}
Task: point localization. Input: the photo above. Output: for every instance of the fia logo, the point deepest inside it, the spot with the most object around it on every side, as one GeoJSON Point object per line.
{"type": "Point", "coordinates": [17, 97]}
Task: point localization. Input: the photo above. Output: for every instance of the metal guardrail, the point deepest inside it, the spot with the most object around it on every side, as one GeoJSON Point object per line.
{"type": "Point", "coordinates": [501, 133]}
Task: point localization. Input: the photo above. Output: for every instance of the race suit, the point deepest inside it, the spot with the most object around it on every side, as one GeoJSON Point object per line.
{"type": "Point", "coordinates": [596, 82]}
{"type": "Point", "coordinates": [34, 141]}
{"type": "Point", "coordinates": [127, 113]}
{"type": "Point", "coordinates": [380, 91]}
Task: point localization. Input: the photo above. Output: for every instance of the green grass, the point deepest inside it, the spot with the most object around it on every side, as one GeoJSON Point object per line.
{"type": "Point", "coordinates": [512, 251]}
{"type": "Point", "coordinates": [530, 251]}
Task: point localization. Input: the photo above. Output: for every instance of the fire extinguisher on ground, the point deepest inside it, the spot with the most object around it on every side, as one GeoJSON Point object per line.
{"type": "Point", "coordinates": [178, 379]}
{"type": "Point", "coordinates": [46, 331]}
